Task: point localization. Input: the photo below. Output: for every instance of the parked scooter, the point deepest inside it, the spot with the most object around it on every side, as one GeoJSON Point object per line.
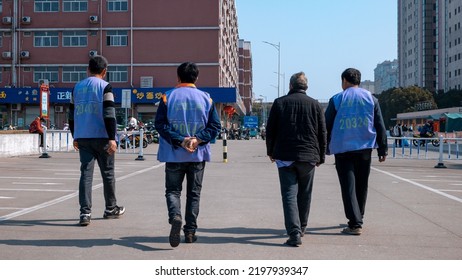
{"type": "Point", "coordinates": [429, 135]}
{"type": "Point", "coordinates": [126, 140]}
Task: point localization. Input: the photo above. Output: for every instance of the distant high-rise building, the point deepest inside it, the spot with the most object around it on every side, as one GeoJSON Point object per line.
{"type": "Point", "coordinates": [453, 50]}
{"type": "Point", "coordinates": [386, 76]}
{"type": "Point", "coordinates": [368, 85]}
{"type": "Point", "coordinates": [429, 44]}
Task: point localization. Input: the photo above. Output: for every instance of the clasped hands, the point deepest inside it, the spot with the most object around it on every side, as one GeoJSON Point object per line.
{"type": "Point", "coordinates": [190, 144]}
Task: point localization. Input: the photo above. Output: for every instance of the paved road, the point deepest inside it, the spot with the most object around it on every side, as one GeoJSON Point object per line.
{"type": "Point", "coordinates": [414, 211]}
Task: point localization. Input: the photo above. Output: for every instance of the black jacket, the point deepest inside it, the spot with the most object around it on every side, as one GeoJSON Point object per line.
{"type": "Point", "coordinates": [296, 129]}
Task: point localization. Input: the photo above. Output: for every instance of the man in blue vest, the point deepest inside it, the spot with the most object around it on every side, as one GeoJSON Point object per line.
{"type": "Point", "coordinates": [186, 121]}
{"type": "Point", "coordinates": [354, 128]}
{"type": "Point", "coordinates": [92, 122]}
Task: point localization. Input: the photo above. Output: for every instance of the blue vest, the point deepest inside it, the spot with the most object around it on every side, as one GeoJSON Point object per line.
{"type": "Point", "coordinates": [88, 108]}
{"type": "Point", "coordinates": [187, 112]}
{"type": "Point", "coordinates": [353, 128]}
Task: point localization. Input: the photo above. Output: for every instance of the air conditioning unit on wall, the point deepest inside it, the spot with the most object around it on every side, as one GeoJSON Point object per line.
{"type": "Point", "coordinates": [59, 109]}
{"type": "Point", "coordinates": [7, 20]}
{"type": "Point", "coordinates": [6, 55]}
{"type": "Point", "coordinates": [25, 54]}
{"type": "Point", "coordinates": [92, 53]}
{"type": "Point", "coordinates": [25, 20]}
{"type": "Point", "coordinates": [93, 19]}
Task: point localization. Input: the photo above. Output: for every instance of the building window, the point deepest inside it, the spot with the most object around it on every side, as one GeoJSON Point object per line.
{"type": "Point", "coordinates": [1, 6]}
{"type": "Point", "coordinates": [75, 5]}
{"type": "Point", "coordinates": [46, 6]}
{"type": "Point", "coordinates": [74, 74]}
{"type": "Point", "coordinates": [117, 5]}
{"type": "Point", "coordinates": [49, 73]}
{"type": "Point", "coordinates": [75, 39]}
{"type": "Point", "coordinates": [46, 39]}
{"type": "Point", "coordinates": [117, 38]}
{"type": "Point", "coordinates": [117, 74]}
{"type": "Point", "coordinates": [1, 39]}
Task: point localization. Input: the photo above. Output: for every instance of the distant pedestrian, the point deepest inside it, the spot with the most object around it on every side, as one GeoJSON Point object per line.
{"type": "Point", "coordinates": [92, 122]}
{"type": "Point", "coordinates": [186, 121]}
{"type": "Point", "coordinates": [132, 123]}
{"type": "Point", "coordinates": [398, 132]}
{"type": "Point", "coordinates": [296, 141]}
{"type": "Point", "coordinates": [354, 127]}
{"type": "Point", "coordinates": [37, 127]}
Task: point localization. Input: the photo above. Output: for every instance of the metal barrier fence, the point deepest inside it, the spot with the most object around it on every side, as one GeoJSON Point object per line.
{"type": "Point", "coordinates": [62, 141]}
{"type": "Point", "coordinates": [441, 149]}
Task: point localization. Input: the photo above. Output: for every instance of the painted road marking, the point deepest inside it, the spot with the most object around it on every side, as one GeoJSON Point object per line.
{"type": "Point", "coordinates": [71, 195]}
{"type": "Point", "coordinates": [36, 190]}
{"type": "Point", "coordinates": [31, 183]}
{"type": "Point", "coordinates": [419, 185]}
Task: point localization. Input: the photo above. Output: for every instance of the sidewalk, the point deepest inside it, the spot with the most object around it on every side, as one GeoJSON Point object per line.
{"type": "Point", "coordinates": [414, 211]}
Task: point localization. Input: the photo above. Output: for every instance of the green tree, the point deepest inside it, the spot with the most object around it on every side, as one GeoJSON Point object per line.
{"type": "Point", "coordinates": [452, 98]}
{"type": "Point", "coordinates": [403, 100]}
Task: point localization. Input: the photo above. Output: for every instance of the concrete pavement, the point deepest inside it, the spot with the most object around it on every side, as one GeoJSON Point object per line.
{"type": "Point", "coordinates": [414, 211]}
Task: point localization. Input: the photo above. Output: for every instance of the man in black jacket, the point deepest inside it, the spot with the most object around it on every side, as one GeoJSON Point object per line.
{"type": "Point", "coordinates": [296, 141]}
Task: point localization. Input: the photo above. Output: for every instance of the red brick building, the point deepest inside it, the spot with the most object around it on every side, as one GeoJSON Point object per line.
{"type": "Point", "coordinates": [245, 75]}
{"type": "Point", "coordinates": [144, 42]}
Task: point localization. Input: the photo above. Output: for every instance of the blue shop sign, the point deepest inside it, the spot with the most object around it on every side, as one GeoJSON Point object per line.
{"type": "Point", "coordinates": [139, 95]}
{"type": "Point", "coordinates": [251, 121]}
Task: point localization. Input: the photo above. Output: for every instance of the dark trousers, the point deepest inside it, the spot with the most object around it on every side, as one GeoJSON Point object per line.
{"type": "Point", "coordinates": [296, 186]}
{"type": "Point", "coordinates": [398, 142]}
{"type": "Point", "coordinates": [89, 151]}
{"type": "Point", "coordinates": [174, 176]}
{"type": "Point", "coordinates": [353, 170]}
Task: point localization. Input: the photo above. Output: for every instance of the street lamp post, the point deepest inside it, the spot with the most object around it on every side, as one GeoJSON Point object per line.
{"type": "Point", "coordinates": [263, 108]}
{"type": "Point", "coordinates": [278, 48]}
{"type": "Point", "coordinates": [283, 82]}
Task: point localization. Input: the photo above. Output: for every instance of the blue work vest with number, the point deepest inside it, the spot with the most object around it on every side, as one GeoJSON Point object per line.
{"type": "Point", "coordinates": [353, 128]}
{"type": "Point", "coordinates": [187, 112]}
{"type": "Point", "coordinates": [88, 97]}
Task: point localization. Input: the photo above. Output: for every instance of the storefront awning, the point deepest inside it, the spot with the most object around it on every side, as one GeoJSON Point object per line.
{"type": "Point", "coordinates": [138, 95]}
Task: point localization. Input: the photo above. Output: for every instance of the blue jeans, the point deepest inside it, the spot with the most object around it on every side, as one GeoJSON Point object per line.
{"type": "Point", "coordinates": [296, 186]}
{"type": "Point", "coordinates": [353, 169]}
{"type": "Point", "coordinates": [89, 151]}
{"type": "Point", "coordinates": [174, 176]}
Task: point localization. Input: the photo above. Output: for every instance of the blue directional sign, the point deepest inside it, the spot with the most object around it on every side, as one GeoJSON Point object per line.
{"type": "Point", "coordinates": [251, 121]}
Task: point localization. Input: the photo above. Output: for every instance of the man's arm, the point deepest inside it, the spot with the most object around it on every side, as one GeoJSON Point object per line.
{"type": "Point", "coordinates": [271, 129]}
{"type": "Point", "coordinates": [163, 127]}
{"type": "Point", "coordinates": [109, 114]}
{"type": "Point", "coordinates": [322, 134]}
{"type": "Point", "coordinates": [330, 114]}
{"type": "Point", "coordinates": [70, 116]}
{"type": "Point", "coordinates": [212, 128]}
{"type": "Point", "coordinates": [379, 126]}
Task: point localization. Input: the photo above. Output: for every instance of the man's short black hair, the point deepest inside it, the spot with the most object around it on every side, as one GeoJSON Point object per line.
{"type": "Point", "coordinates": [188, 72]}
{"type": "Point", "coordinates": [97, 64]}
{"type": "Point", "coordinates": [353, 76]}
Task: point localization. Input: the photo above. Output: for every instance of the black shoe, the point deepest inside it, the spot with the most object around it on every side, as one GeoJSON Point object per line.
{"type": "Point", "coordinates": [175, 231]}
{"type": "Point", "coordinates": [302, 233]}
{"type": "Point", "coordinates": [352, 231]}
{"type": "Point", "coordinates": [115, 213]}
{"type": "Point", "coordinates": [190, 237]}
{"type": "Point", "coordinates": [294, 240]}
{"type": "Point", "coordinates": [85, 219]}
